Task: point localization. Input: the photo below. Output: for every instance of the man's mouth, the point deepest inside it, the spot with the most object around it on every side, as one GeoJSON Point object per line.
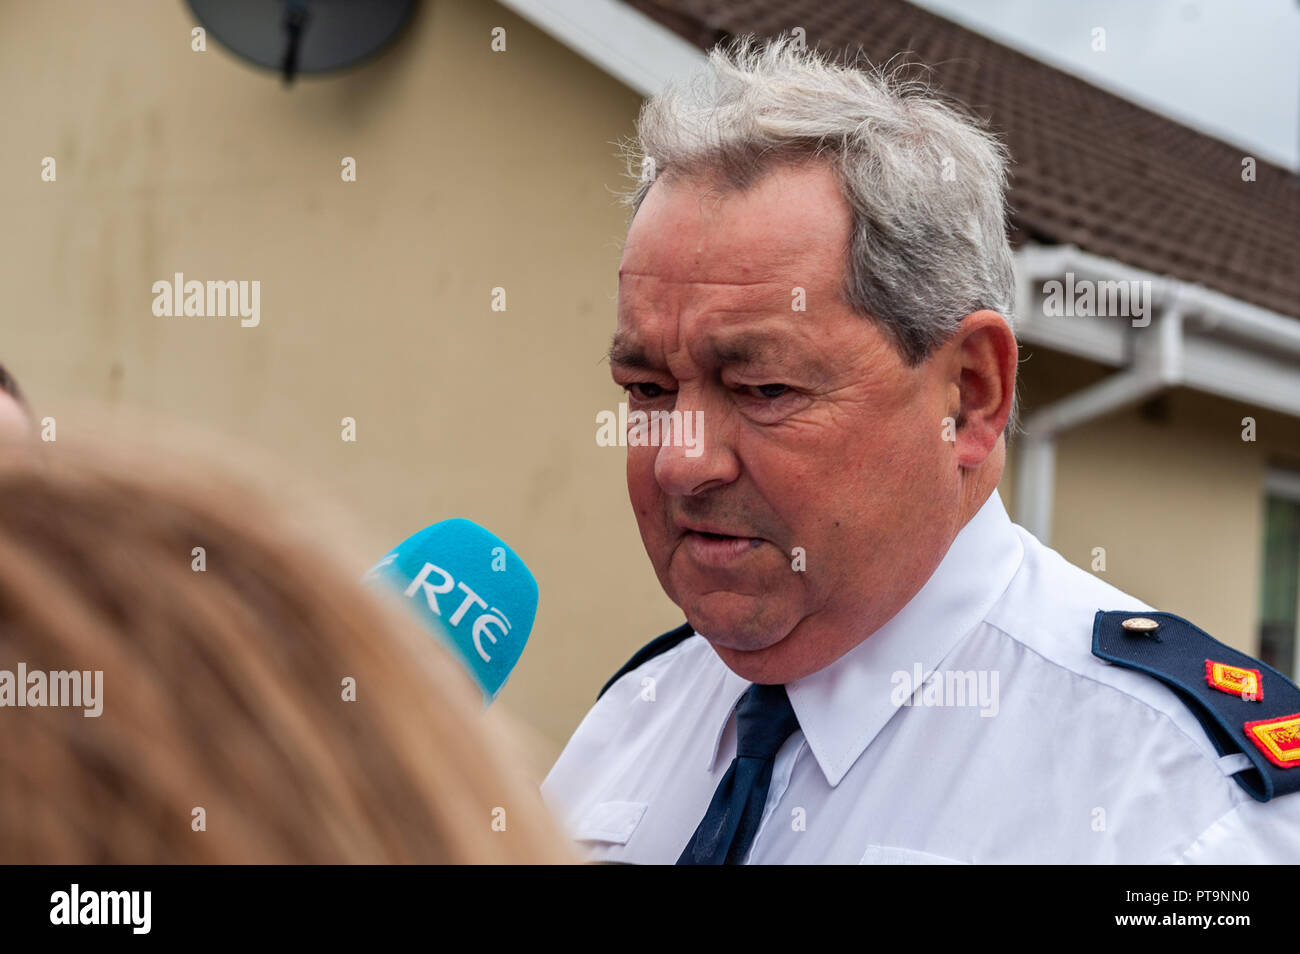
{"type": "Point", "coordinates": [710, 529]}
{"type": "Point", "coordinates": [718, 549]}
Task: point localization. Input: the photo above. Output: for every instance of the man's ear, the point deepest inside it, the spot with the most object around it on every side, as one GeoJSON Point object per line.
{"type": "Point", "coordinates": [983, 362]}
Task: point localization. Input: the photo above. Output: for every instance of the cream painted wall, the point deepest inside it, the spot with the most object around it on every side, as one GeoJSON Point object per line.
{"type": "Point", "coordinates": [475, 170]}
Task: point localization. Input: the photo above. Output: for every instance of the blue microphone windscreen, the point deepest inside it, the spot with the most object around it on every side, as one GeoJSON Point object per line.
{"type": "Point", "coordinates": [470, 588]}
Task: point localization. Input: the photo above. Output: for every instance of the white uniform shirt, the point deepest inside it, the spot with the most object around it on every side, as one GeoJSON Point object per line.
{"type": "Point", "coordinates": [1065, 758]}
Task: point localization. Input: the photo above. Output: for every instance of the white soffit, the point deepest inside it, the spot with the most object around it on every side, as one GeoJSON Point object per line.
{"type": "Point", "coordinates": [623, 42]}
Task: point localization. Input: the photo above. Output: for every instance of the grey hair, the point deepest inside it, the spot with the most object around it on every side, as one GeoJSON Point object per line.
{"type": "Point", "coordinates": [926, 183]}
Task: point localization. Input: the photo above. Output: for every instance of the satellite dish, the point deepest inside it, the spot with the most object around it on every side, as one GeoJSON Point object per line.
{"type": "Point", "coordinates": [304, 36]}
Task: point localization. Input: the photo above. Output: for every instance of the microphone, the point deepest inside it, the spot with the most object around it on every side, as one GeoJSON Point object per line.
{"type": "Point", "coordinates": [471, 590]}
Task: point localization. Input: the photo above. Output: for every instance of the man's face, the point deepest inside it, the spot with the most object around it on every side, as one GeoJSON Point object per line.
{"type": "Point", "coordinates": [817, 438]}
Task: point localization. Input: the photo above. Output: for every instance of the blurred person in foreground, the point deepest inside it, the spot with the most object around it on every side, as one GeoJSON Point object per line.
{"type": "Point", "coordinates": [15, 416]}
{"type": "Point", "coordinates": [223, 688]}
{"type": "Point", "coordinates": [877, 665]}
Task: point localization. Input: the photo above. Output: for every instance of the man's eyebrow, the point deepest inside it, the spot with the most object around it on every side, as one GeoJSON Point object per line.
{"type": "Point", "coordinates": [626, 353]}
{"type": "Point", "coordinates": [755, 348]}
{"type": "Point", "coordinates": [748, 349]}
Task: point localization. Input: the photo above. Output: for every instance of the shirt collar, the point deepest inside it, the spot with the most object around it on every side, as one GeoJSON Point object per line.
{"type": "Point", "coordinates": [842, 707]}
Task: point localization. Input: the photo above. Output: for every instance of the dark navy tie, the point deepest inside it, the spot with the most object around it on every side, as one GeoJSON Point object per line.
{"type": "Point", "coordinates": [764, 720]}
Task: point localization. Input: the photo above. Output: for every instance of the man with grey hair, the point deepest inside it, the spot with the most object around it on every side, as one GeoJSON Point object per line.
{"type": "Point", "coordinates": [877, 665]}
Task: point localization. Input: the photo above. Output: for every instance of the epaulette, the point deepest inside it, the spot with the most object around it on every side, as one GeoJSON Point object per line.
{"type": "Point", "coordinates": [1245, 706]}
{"type": "Point", "coordinates": [656, 646]}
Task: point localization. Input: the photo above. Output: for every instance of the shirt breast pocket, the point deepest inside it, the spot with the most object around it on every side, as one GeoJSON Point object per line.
{"type": "Point", "coordinates": [610, 823]}
{"type": "Point", "coordinates": [883, 855]}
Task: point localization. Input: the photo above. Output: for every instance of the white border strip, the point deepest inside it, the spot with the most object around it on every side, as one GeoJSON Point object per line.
{"type": "Point", "coordinates": [623, 42]}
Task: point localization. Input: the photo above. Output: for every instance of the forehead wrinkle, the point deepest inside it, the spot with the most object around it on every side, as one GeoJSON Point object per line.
{"type": "Point", "coordinates": [718, 328]}
{"type": "Point", "coordinates": [703, 281]}
{"type": "Point", "coordinates": [687, 314]}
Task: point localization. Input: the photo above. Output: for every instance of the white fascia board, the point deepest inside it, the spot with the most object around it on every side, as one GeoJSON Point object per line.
{"type": "Point", "coordinates": [623, 42]}
{"type": "Point", "coordinates": [1230, 348]}
{"type": "Point", "coordinates": [1097, 339]}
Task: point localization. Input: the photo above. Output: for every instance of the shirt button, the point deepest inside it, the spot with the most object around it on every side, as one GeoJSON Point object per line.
{"type": "Point", "coordinates": [1142, 625]}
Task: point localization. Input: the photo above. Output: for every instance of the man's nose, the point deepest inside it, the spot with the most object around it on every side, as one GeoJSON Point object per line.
{"type": "Point", "coordinates": [697, 455]}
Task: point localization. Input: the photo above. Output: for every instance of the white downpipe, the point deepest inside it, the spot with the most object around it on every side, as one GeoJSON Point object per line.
{"type": "Point", "coordinates": [1150, 373]}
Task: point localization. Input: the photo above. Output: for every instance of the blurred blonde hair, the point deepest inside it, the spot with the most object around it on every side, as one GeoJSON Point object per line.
{"type": "Point", "coordinates": [223, 688]}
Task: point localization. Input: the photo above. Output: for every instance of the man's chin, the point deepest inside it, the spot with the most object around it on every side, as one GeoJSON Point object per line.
{"type": "Point", "coordinates": [776, 663]}
{"type": "Point", "coordinates": [738, 640]}
{"type": "Point", "coordinates": [736, 623]}
{"type": "Point", "coordinates": [755, 638]}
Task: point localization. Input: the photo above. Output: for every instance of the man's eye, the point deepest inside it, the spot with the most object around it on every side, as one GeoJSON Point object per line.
{"type": "Point", "coordinates": [648, 390]}
{"type": "Point", "coordinates": [771, 391]}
